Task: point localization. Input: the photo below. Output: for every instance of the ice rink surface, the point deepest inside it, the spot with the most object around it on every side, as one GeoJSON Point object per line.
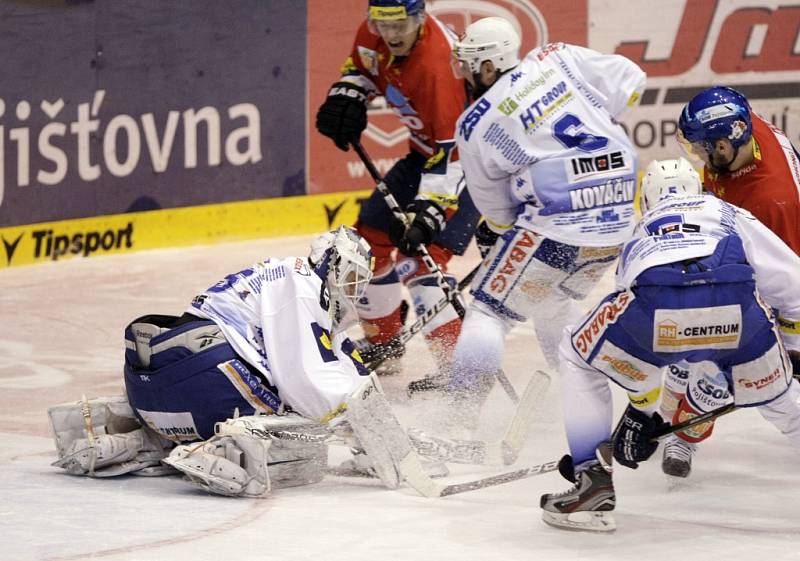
{"type": "Point", "coordinates": [61, 335]}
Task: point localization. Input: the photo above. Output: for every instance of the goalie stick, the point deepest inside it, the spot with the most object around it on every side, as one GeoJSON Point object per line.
{"type": "Point", "coordinates": [426, 486]}
{"type": "Point", "coordinates": [493, 452]}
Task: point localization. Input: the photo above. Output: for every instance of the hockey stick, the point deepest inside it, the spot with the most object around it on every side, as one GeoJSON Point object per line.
{"type": "Point", "coordinates": [493, 452]}
{"type": "Point", "coordinates": [452, 295]}
{"type": "Point", "coordinates": [694, 421]}
{"type": "Point", "coordinates": [408, 332]}
{"type": "Point", "coordinates": [453, 489]}
{"type": "Point", "coordinates": [438, 381]}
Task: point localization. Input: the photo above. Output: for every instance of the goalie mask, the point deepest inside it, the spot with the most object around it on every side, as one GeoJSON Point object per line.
{"type": "Point", "coordinates": [668, 178]}
{"type": "Point", "coordinates": [344, 261]}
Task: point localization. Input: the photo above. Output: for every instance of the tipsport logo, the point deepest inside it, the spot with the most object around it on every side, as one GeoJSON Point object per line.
{"type": "Point", "coordinates": [49, 244]}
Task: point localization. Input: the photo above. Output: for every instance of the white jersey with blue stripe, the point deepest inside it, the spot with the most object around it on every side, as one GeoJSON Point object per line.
{"type": "Point", "coordinates": [541, 149]}
{"type": "Point", "coordinates": [275, 316]}
{"type": "Point", "coordinates": [684, 228]}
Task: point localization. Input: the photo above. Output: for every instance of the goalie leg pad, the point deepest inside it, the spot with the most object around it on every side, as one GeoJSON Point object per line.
{"type": "Point", "coordinates": [298, 454]}
{"type": "Point", "coordinates": [108, 455]}
{"type": "Point", "coordinates": [225, 465]}
{"type": "Point", "coordinates": [102, 415]}
{"type": "Point", "coordinates": [251, 455]}
{"type": "Point", "coordinates": [101, 437]}
{"type": "Point", "coordinates": [379, 433]}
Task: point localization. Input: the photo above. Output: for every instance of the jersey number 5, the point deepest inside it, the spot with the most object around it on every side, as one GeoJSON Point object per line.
{"type": "Point", "coordinates": [569, 131]}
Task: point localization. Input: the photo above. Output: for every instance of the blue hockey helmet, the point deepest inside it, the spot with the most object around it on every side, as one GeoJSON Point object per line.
{"type": "Point", "coordinates": [387, 10]}
{"type": "Point", "coordinates": [718, 112]}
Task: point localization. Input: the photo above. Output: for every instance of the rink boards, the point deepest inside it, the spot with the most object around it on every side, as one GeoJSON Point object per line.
{"type": "Point", "coordinates": [176, 227]}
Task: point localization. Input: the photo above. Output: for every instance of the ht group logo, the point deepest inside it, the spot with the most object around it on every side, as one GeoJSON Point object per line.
{"type": "Point", "coordinates": [49, 244]}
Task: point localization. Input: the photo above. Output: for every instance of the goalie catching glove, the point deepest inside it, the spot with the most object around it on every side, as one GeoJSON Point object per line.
{"type": "Point", "coordinates": [632, 439]}
{"type": "Point", "coordinates": [427, 220]}
{"type": "Point", "coordinates": [343, 115]}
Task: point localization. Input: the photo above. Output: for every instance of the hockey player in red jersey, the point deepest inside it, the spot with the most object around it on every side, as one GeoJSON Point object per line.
{"type": "Point", "coordinates": [753, 165]}
{"type": "Point", "coordinates": [748, 162]}
{"type": "Point", "coordinates": [403, 53]}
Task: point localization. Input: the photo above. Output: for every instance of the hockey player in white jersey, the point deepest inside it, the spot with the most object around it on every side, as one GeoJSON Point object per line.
{"type": "Point", "coordinates": [698, 282]}
{"type": "Point", "coordinates": [262, 352]}
{"type": "Point", "coordinates": [554, 176]}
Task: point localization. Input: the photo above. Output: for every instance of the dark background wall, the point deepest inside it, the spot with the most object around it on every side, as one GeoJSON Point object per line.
{"type": "Point", "coordinates": [134, 66]}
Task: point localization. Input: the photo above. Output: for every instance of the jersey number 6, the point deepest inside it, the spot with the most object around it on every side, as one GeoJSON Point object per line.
{"type": "Point", "coordinates": [568, 131]}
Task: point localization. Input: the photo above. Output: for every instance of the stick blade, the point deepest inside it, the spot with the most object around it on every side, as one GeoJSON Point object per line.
{"type": "Point", "coordinates": [529, 406]}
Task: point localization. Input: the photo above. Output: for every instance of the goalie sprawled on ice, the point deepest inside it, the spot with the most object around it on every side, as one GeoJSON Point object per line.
{"type": "Point", "coordinates": [241, 392]}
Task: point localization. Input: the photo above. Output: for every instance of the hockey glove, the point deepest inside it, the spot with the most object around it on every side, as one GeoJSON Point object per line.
{"type": "Point", "coordinates": [632, 437]}
{"type": "Point", "coordinates": [343, 116]}
{"type": "Point", "coordinates": [427, 222]}
{"type": "Point", "coordinates": [485, 237]}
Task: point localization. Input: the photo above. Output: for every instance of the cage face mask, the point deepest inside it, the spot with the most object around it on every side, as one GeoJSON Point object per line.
{"type": "Point", "coordinates": [346, 265]}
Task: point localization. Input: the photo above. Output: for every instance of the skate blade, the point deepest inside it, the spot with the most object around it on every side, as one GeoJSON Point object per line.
{"type": "Point", "coordinates": [584, 521]}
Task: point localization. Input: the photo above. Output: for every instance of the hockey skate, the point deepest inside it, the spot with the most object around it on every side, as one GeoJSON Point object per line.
{"type": "Point", "coordinates": [430, 383]}
{"type": "Point", "coordinates": [588, 505]}
{"type": "Point", "coordinates": [677, 460]}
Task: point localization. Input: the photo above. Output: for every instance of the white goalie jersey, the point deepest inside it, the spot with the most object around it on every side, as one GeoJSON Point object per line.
{"type": "Point", "coordinates": [541, 149]}
{"type": "Point", "coordinates": [275, 316]}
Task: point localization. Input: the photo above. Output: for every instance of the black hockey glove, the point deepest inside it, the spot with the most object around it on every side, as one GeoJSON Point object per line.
{"type": "Point", "coordinates": [427, 222]}
{"type": "Point", "coordinates": [343, 116]}
{"type": "Point", "coordinates": [485, 237]}
{"type": "Point", "coordinates": [632, 437]}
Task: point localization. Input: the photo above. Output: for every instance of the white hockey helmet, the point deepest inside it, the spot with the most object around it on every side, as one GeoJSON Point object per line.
{"type": "Point", "coordinates": [668, 178]}
{"type": "Point", "coordinates": [344, 260]}
{"type": "Point", "coordinates": [493, 39]}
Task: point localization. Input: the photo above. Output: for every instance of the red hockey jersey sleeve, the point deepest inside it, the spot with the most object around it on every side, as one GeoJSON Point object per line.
{"type": "Point", "coordinates": [769, 187]}
{"type": "Point", "coordinates": [424, 93]}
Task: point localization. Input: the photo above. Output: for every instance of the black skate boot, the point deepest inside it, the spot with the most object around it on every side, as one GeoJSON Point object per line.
{"type": "Point", "coordinates": [677, 460]}
{"type": "Point", "coordinates": [588, 505]}
{"type": "Point", "coordinates": [430, 383]}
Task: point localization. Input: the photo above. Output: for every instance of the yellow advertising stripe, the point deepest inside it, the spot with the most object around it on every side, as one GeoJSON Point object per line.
{"type": "Point", "coordinates": [177, 227]}
{"type": "Point", "coordinates": [642, 401]}
{"type": "Point", "coordinates": [789, 326]}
